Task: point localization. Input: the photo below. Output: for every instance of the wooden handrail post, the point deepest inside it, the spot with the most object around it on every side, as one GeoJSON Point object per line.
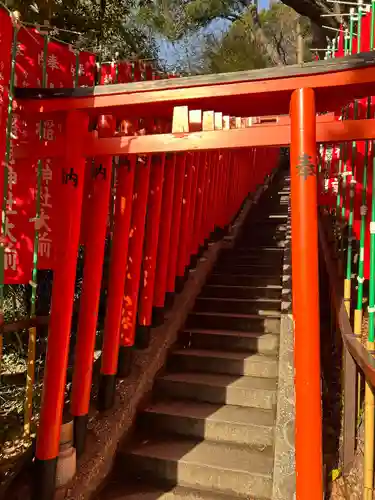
{"type": "Point", "coordinates": [306, 296]}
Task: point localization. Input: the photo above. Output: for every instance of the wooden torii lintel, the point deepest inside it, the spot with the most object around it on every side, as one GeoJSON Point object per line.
{"type": "Point", "coordinates": [245, 93]}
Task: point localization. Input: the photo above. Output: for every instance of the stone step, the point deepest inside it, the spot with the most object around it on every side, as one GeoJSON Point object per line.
{"type": "Point", "coordinates": [262, 237]}
{"type": "Point", "coordinates": [263, 229]}
{"type": "Point", "coordinates": [282, 216]}
{"type": "Point", "coordinates": [255, 249]}
{"type": "Point", "coordinates": [242, 292]}
{"type": "Point", "coordinates": [254, 392]}
{"type": "Point", "coordinates": [230, 424]}
{"type": "Point", "coordinates": [262, 307]}
{"type": "Point", "coordinates": [270, 251]}
{"type": "Point", "coordinates": [225, 362]}
{"type": "Point", "coordinates": [233, 267]}
{"type": "Point", "coordinates": [220, 340]}
{"type": "Point", "coordinates": [267, 260]}
{"type": "Point", "coordinates": [228, 469]}
{"type": "Point", "coordinates": [250, 253]}
{"type": "Point", "coordinates": [233, 321]}
{"type": "Point", "coordinates": [249, 240]}
{"type": "Point", "coordinates": [141, 491]}
{"type": "Point", "coordinates": [243, 280]}
{"type": "Point", "coordinates": [253, 246]}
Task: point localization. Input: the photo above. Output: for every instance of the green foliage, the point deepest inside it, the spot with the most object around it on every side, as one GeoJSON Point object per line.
{"type": "Point", "coordinates": [279, 24]}
{"type": "Point", "coordinates": [235, 50]}
{"type": "Point", "coordinates": [249, 40]}
{"type": "Point", "coordinates": [107, 27]}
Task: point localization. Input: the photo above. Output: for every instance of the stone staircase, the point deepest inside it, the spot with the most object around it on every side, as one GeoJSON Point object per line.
{"type": "Point", "coordinates": [208, 433]}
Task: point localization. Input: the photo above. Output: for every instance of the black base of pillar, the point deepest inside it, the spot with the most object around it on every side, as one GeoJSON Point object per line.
{"type": "Point", "coordinates": [169, 300]}
{"type": "Point", "coordinates": [179, 283]}
{"type": "Point", "coordinates": [219, 233]}
{"type": "Point", "coordinates": [157, 316]}
{"type": "Point", "coordinates": [106, 393]}
{"type": "Point", "coordinates": [201, 251]}
{"type": "Point", "coordinates": [44, 479]}
{"type": "Point", "coordinates": [193, 261]}
{"type": "Point", "coordinates": [124, 366]}
{"type": "Point", "coordinates": [142, 337]}
{"type": "Point", "coordinates": [80, 432]}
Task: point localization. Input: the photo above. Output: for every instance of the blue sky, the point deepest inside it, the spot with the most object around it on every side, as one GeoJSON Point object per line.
{"type": "Point", "coordinates": [171, 53]}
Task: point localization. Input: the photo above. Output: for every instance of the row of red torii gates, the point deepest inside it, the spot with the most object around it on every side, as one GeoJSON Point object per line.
{"type": "Point", "coordinates": [302, 92]}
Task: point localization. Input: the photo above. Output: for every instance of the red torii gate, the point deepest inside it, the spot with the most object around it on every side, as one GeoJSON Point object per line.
{"type": "Point", "coordinates": [301, 90]}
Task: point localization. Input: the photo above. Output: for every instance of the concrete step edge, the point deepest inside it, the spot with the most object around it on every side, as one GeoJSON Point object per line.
{"type": "Point", "coordinates": [235, 315]}
{"type": "Point", "coordinates": [143, 450]}
{"type": "Point", "coordinates": [171, 408]}
{"type": "Point", "coordinates": [225, 355]}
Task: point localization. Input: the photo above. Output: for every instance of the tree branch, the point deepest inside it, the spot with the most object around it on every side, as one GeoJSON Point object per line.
{"type": "Point", "coordinates": [313, 9]}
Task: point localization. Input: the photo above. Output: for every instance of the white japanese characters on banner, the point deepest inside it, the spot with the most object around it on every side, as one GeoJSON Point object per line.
{"type": "Point", "coordinates": [61, 70]}
{"type": "Point", "coordinates": [20, 210]}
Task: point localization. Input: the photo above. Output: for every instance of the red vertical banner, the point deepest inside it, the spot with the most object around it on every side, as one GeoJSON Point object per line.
{"type": "Point", "coordinates": [107, 73]}
{"type": "Point", "coordinates": [61, 73]}
{"type": "Point", "coordinates": [20, 222]}
{"type": "Point", "coordinates": [137, 74]}
{"type": "Point", "coordinates": [6, 38]}
{"type": "Point", "coordinates": [124, 72]}
{"type": "Point", "coordinates": [20, 212]}
{"type": "Point", "coordinates": [61, 65]}
{"type": "Point", "coordinates": [29, 59]}
{"type": "Point", "coordinates": [87, 69]}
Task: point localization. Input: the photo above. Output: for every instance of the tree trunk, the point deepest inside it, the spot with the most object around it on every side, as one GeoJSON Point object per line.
{"type": "Point", "coordinates": [313, 9]}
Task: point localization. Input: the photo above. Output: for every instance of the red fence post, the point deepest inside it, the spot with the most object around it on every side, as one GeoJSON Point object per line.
{"type": "Point", "coordinates": [97, 218]}
{"type": "Point", "coordinates": [116, 281]}
{"type": "Point", "coordinates": [206, 192]}
{"type": "Point", "coordinates": [154, 204]}
{"type": "Point", "coordinates": [176, 221]}
{"type": "Point", "coordinates": [306, 296]}
{"type": "Point", "coordinates": [184, 226]}
{"type": "Point", "coordinates": [208, 124]}
{"type": "Point", "coordinates": [133, 272]}
{"type": "Point", "coordinates": [201, 178]}
{"type": "Point", "coordinates": [163, 255]}
{"type": "Point", "coordinates": [193, 201]}
{"type": "Point", "coordinates": [47, 447]}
